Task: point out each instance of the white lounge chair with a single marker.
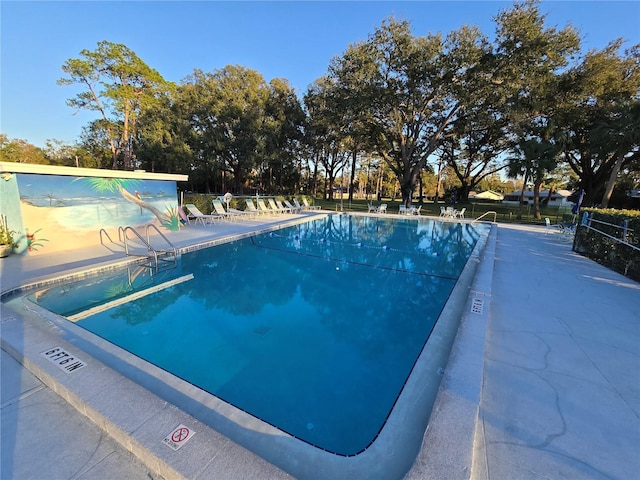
(550, 227)
(196, 215)
(371, 207)
(263, 207)
(293, 209)
(219, 209)
(308, 206)
(252, 208)
(282, 207)
(229, 215)
(273, 206)
(382, 208)
(460, 214)
(412, 210)
(567, 228)
(243, 213)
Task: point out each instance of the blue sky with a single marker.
(292, 40)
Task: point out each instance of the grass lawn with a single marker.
(504, 213)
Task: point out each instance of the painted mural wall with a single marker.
(62, 212)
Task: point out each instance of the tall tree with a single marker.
(163, 136)
(95, 141)
(118, 85)
(284, 130)
(474, 145)
(327, 139)
(403, 89)
(227, 115)
(60, 153)
(533, 158)
(621, 125)
(476, 136)
(598, 126)
(20, 151)
(529, 57)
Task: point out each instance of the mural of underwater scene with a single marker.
(69, 211)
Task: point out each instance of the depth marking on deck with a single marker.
(178, 437)
(477, 306)
(63, 359)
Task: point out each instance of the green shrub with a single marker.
(603, 240)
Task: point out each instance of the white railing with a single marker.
(624, 230)
(151, 251)
(495, 216)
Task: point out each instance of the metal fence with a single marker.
(611, 240)
(625, 234)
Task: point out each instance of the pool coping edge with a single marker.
(56, 381)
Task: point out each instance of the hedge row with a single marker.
(611, 252)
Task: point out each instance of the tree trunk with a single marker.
(379, 182)
(352, 177)
(439, 182)
(550, 194)
(328, 191)
(114, 150)
(524, 186)
(141, 203)
(125, 139)
(406, 191)
(536, 199)
(314, 185)
(463, 192)
(612, 181)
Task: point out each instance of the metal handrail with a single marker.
(123, 231)
(102, 230)
(587, 221)
(495, 216)
(123, 240)
(173, 248)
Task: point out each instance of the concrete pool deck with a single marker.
(560, 387)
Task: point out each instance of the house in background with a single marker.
(487, 195)
(558, 198)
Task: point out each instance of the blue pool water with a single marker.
(313, 329)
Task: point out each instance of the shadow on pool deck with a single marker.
(550, 348)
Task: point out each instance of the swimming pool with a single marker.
(313, 329)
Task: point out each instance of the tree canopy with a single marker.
(118, 85)
(394, 112)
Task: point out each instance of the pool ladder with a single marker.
(153, 254)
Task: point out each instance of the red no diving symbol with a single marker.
(180, 434)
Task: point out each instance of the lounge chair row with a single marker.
(412, 210)
(450, 212)
(568, 228)
(269, 207)
(382, 208)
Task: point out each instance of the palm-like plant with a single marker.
(118, 185)
(7, 241)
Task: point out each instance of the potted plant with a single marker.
(6, 238)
